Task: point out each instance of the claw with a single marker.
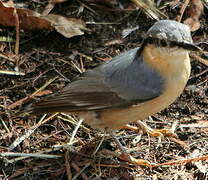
(150, 131)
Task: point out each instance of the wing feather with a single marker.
(121, 82)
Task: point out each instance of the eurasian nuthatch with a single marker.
(133, 85)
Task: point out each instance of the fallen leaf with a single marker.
(193, 23)
(31, 20)
(194, 12)
(195, 9)
(68, 27)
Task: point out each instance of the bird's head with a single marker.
(171, 34)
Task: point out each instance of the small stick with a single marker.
(75, 131)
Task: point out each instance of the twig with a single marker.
(15, 73)
(201, 60)
(17, 31)
(5, 126)
(87, 7)
(149, 9)
(30, 131)
(6, 57)
(182, 10)
(103, 23)
(76, 67)
(81, 171)
(23, 137)
(54, 148)
(100, 143)
(68, 169)
(44, 121)
(21, 101)
(72, 121)
(200, 74)
(37, 155)
(75, 131)
(45, 85)
(78, 170)
(183, 161)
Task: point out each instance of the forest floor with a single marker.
(35, 146)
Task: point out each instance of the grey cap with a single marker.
(170, 30)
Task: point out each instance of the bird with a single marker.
(133, 85)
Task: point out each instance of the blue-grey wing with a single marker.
(125, 80)
(132, 78)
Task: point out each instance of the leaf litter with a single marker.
(28, 142)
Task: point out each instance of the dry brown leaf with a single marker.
(195, 9)
(31, 20)
(68, 27)
(194, 24)
(194, 12)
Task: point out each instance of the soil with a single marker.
(47, 55)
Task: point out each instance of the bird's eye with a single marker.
(163, 43)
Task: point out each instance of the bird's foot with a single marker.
(152, 132)
(162, 132)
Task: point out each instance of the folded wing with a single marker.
(123, 81)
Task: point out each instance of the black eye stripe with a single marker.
(168, 43)
(162, 42)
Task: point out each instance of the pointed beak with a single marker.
(191, 46)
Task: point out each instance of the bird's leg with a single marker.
(152, 132)
(127, 157)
